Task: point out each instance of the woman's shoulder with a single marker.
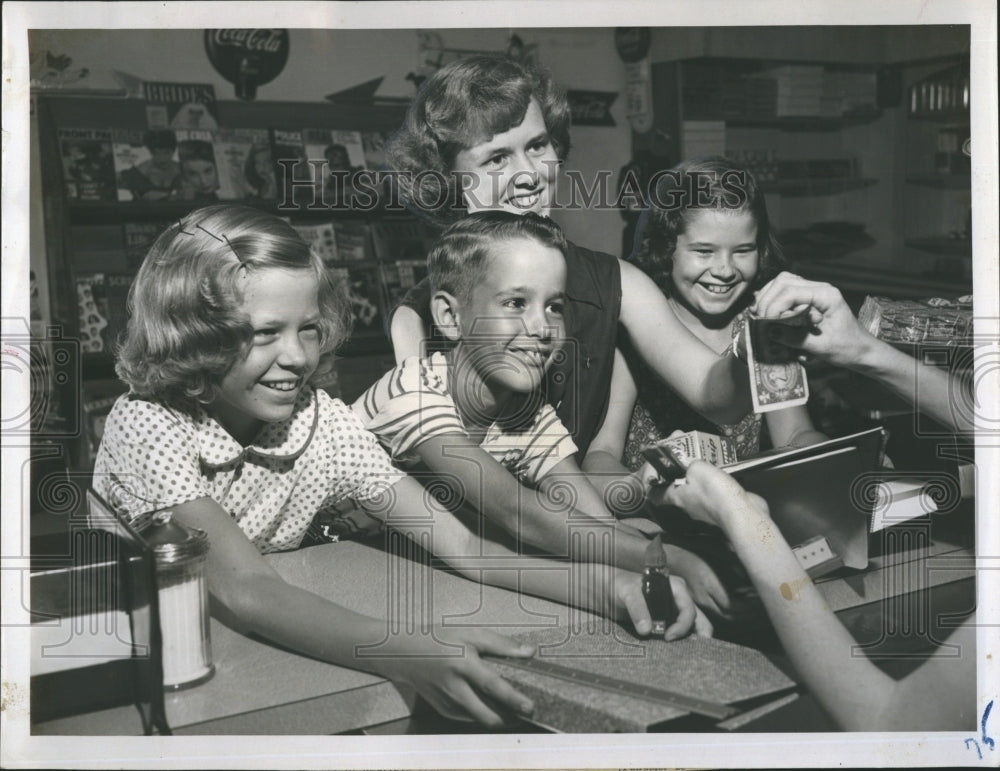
(592, 275)
(575, 252)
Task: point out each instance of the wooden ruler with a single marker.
(614, 685)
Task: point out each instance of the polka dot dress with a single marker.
(153, 457)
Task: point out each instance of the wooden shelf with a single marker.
(943, 181)
(942, 245)
(807, 186)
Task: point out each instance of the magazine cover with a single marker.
(404, 239)
(88, 164)
(331, 154)
(92, 310)
(97, 399)
(138, 237)
(246, 168)
(116, 289)
(321, 238)
(373, 144)
(399, 277)
(180, 105)
(289, 155)
(199, 169)
(364, 290)
(353, 241)
(146, 167)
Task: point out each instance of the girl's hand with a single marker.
(631, 605)
(460, 687)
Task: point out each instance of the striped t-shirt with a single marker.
(412, 404)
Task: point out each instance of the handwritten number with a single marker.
(987, 740)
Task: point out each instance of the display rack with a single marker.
(84, 238)
(783, 121)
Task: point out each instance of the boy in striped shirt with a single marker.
(475, 415)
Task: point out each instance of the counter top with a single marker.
(260, 688)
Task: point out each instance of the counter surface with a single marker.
(259, 688)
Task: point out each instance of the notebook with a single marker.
(820, 492)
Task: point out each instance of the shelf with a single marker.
(943, 181)
(804, 187)
(804, 122)
(942, 116)
(116, 212)
(949, 247)
(889, 283)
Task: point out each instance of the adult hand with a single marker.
(460, 687)
(835, 334)
(630, 603)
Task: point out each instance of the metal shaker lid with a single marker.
(173, 542)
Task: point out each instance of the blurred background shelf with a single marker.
(943, 181)
(943, 245)
(803, 187)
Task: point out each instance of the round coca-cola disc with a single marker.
(247, 58)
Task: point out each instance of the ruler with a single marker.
(614, 685)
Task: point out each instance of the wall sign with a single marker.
(247, 58)
(639, 95)
(632, 43)
(591, 108)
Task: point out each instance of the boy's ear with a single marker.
(444, 311)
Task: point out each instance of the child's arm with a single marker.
(248, 594)
(856, 693)
(613, 592)
(407, 332)
(630, 545)
(616, 485)
(407, 327)
(542, 517)
(792, 427)
(602, 462)
(716, 386)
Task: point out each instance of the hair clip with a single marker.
(180, 227)
(211, 234)
(230, 243)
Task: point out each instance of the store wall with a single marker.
(325, 61)
(866, 44)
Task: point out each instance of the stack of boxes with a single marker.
(701, 138)
(800, 90)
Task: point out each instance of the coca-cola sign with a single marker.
(247, 58)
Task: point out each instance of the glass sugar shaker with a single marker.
(183, 597)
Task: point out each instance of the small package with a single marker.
(670, 456)
(935, 321)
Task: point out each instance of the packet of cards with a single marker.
(938, 320)
(671, 456)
